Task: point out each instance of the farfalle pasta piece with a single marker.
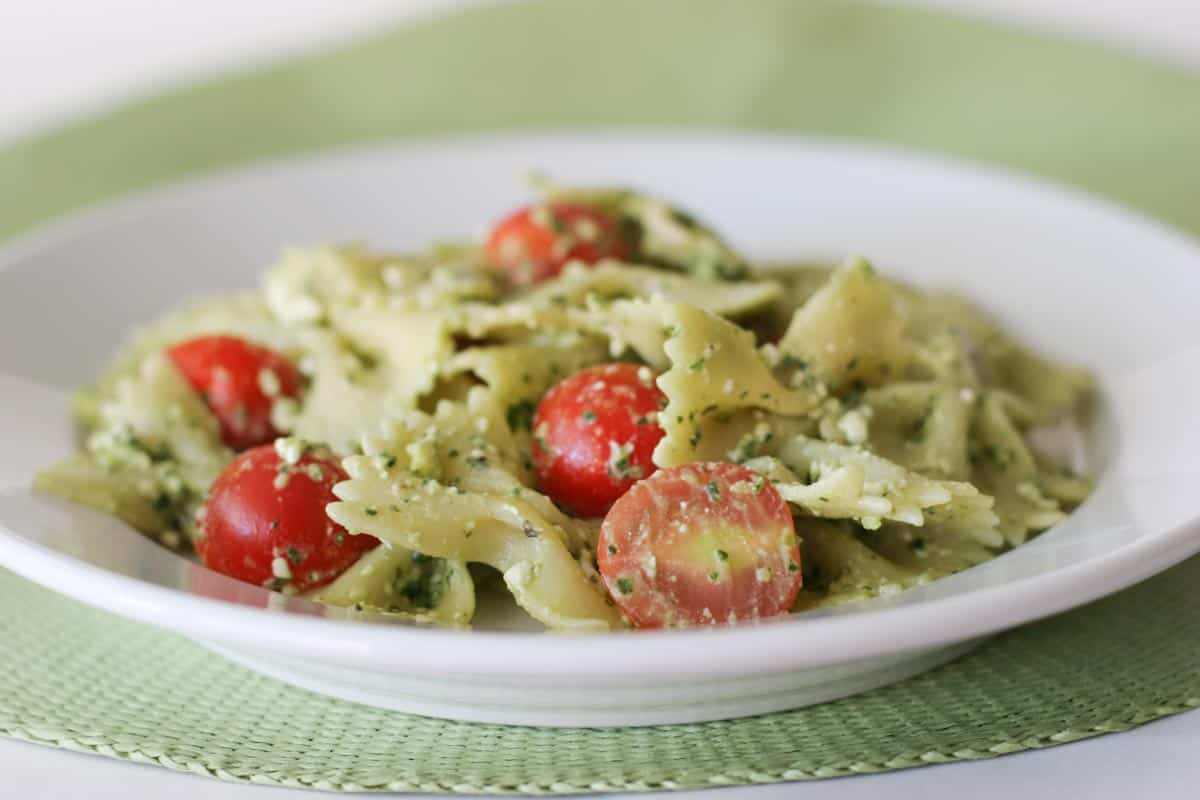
(397, 580)
(519, 373)
(311, 286)
(851, 330)
(715, 372)
(849, 482)
(923, 427)
(158, 448)
(1004, 465)
(441, 486)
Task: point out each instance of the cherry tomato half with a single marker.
(265, 521)
(700, 544)
(534, 243)
(594, 436)
(238, 381)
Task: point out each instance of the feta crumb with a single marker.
(268, 381)
(853, 425)
(392, 277)
(618, 462)
(645, 376)
(290, 449)
(280, 568)
(284, 411)
(586, 230)
(762, 574)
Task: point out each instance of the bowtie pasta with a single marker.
(604, 410)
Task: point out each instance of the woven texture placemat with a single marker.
(76, 677)
(79, 678)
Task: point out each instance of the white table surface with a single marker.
(60, 58)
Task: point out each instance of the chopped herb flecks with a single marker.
(619, 466)
(519, 415)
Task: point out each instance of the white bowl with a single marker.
(1077, 277)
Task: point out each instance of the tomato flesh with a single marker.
(534, 244)
(594, 436)
(265, 523)
(239, 382)
(700, 544)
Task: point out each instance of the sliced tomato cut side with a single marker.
(700, 544)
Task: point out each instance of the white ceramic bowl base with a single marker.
(568, 702)
(1076, 277)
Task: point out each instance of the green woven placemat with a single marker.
(82, 679)
(79, 678)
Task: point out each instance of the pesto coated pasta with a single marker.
(809, 434)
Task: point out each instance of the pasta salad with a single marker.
(602, 408)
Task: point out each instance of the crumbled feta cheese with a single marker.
(586, 230)
(393, 278)
(284, 411)
(268, 381)
(290, 449)
(281, 569)
(618, 462)
(853, 425)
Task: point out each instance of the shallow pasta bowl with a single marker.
(1073, 276)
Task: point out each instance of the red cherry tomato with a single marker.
(265, 522)
(238, 381)
(701, 544)
(534, 244)
(594, 435)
